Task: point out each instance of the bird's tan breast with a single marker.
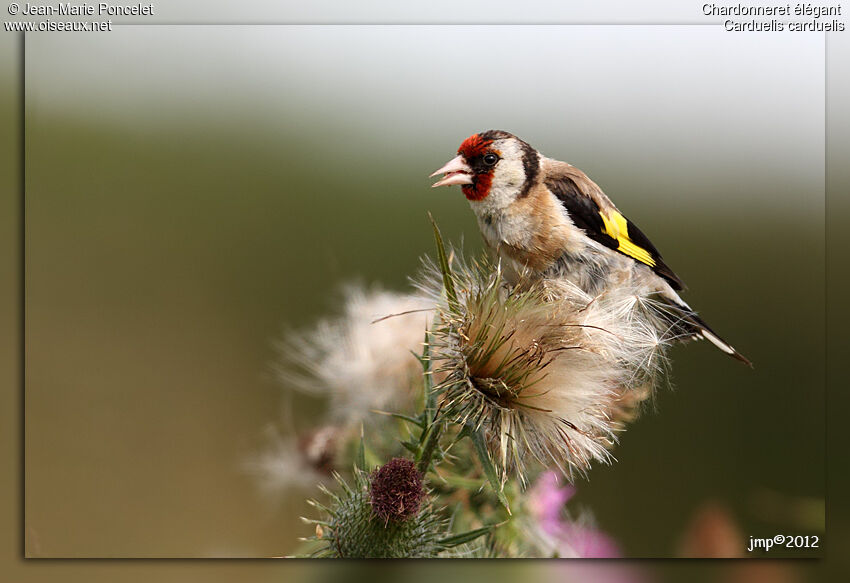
(533, 232)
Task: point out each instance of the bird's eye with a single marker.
(491, 159)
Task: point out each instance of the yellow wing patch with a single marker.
(617, 227)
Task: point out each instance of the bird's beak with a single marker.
(456, 172)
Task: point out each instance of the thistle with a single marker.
(360, 360)
(385, 515)
(543, 369)
(396, 491)
(286, 462)
(536, 372)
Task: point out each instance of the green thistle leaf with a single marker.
(360, 460)
(445, 269)
(428, 381)
(478, 442)
(418, 422)
(465, 537)
(412, 447)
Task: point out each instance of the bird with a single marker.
(543, 218)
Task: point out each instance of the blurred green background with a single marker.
(189, 196)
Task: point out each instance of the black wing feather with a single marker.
(585, 214)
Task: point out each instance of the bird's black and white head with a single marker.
(493, 168)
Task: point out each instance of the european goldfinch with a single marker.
(546, 218)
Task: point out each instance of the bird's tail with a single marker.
(684, 324)
(706, 332)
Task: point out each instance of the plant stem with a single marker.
(428, 448)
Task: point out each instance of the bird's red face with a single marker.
(472, 168)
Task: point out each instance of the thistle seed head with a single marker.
(360, 360)
(547, 370)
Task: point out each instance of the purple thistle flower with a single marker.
(396, 492)
(569, 538)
